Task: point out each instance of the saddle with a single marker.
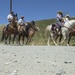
(28, 27)
(21, 28)
(56, 28)
(8, 25)
(53, 27)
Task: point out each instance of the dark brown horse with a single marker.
(26, 31)
(12, 29)
(71, 33)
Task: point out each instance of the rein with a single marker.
(12, 27)
(67, 27)
(70, 28)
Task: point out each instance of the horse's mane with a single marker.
(70, 23)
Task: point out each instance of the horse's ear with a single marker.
(16, 14)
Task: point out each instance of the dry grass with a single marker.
(39, 37)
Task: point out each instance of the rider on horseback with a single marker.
(21, 22)
(10, 18)
(30, 25)
(60, 22)
(59, 18)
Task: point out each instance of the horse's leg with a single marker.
(30, 38)
(60, 39)
(64, 36)
(54, 42)
(23, 40)
(9, 39)
(69, 37)
(48, 41)
(27, 40)
(56, 38)
(6, 37)
(19, 39)
(53, 39)
(14, 38)
(48, 37)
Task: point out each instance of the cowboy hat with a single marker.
(22, 16)
(60, 12)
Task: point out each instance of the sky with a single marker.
(36, 9)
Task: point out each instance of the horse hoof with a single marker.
(5, 42)
(60, 44)
(48, 44)
(56, 44)
(68, 45)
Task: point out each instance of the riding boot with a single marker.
(7, 27)
(59, 31)
(53, 28)
(53, 25)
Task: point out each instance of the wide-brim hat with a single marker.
(22, 16)
(60, 12)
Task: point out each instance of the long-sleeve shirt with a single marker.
(59, 16)
(9, 17)
(21, 22)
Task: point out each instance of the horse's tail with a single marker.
(47, 33)
(2, 35)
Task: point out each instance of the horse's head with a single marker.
(36, 28)
(32, 25)
(32, 22)
(15, 19)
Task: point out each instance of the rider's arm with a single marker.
(59, 16)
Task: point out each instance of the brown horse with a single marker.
(26, 31)
(71, 33)
(30, 33)
(12, 29)
(21, 34)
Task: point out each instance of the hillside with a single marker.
(39, 37)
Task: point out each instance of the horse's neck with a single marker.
(14, 24)
(70, 23)
(65, 20)
(15, 19)
(31, 29)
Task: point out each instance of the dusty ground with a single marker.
(37, 60)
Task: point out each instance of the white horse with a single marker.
(50, 34)
(65, 30)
